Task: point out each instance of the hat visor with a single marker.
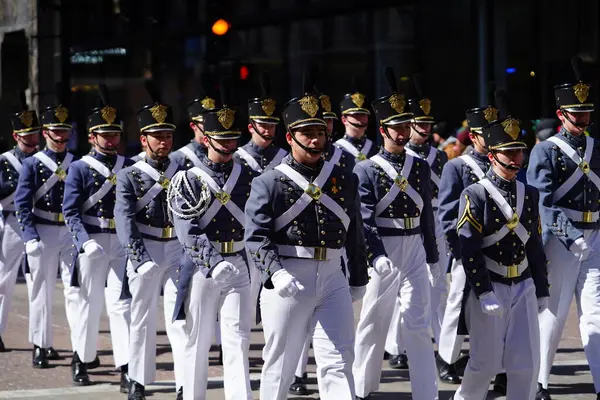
(508, 146)
(58, 127)
(351, 111)
(106, 130)
(265, 121)
(329, 115)
(307, 122)
(226, 135)
(425, 120)
(158, 127)
(28, 131)
(397, 120)
(587, 108)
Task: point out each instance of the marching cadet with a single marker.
(396, 207)
(88, 209)
(26, 132)
(343, 159)
(150, 245)
(191, 154)
(355, 117)
(48, 245)
(457, 174)
(505, 266)
(419, 147)
(206, 205)
(299, 217)
(565, 170)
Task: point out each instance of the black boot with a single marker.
(39, 359)
(2, 347)
(79, 371)
(124, 383)
(368, 397)
(179, 394)
(220, 355)
(500, 383)
(399, 361)
(94, 364)
(299, 386)
(52, 354)
(386, 355)
(542, 394)
(136, 391)
(446, 371)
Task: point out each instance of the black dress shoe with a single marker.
(136, 391)
(79, 371)
(179, 394)
(386, 355)
(39, 359)
(125, 381)
(399, 362)
(94, 364)
(368, 397)
(446, 371)
(52, 354)
(220, 355)
(500, 383)
(2, 347)
(299, 386)
(542, 394)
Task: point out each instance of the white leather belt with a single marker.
(49, 216)
(398, 223)
(507, 271)
(103, 223)
(167, 232)
(229, 247)
(315, 253)
(581, 216)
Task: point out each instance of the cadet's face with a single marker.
(356, 120)
(511, 157)
(57, 138)
(398, 133)
(107, 141)
(313, 137)
(224, 145)
(160, 142)
(28, 142)
(267, 130)
(575, 123)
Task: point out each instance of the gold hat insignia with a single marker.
(582, 91)
(159, 113)
(26, 118)
(61, 113)
(511, 127)
(425, 105)
(397, 102)
(358, 99)
(208, 103)
(226, 117)
(268, 106)
(109, 114)
(325, 102)
(309, 105)
(490, 114)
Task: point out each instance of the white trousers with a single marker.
(145, 292)
(231, 300)
(56, 249)
(568, 277)
(11, 253)
(509, 342)
(323, 307)
(100, 281)
(450, 341)
(438, 296)
(408, 281)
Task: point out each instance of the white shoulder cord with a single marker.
(179, 187)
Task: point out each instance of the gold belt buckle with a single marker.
(320, 254)
(512, 271)
(361, 157)
(588, 217)
(584, 166)
(60, 217)
(61, 173)
(111, 224)
(408, 223)
(227, 247)
(164, 182)
(313, 191)
(167, 232)
(112, 178)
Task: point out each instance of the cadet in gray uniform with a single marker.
(26, 132)
(395, 193)
(206, 205)
(298, 219)
(566, 170)
(88, 209)
(150, 244)
(48, 245)
(505, 265)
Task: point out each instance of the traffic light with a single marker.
(220, 27)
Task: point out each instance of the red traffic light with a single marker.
(244, 72)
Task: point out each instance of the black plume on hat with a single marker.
(265, 84)
(104, 96)
(502, 103)
(577, 65)
(390, 78)
(23, 100)
(152, 90)
(63, 93)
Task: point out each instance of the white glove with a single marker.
(433, 271)
(382, 265)
(490, 304)
(357, 292)
(580, 249)
(148, 269)
(285, 284)
(542, 303)
(223, 271)
(92, 249)
(32, 248)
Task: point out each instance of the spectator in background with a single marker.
(545, 128)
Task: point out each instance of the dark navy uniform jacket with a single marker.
(185, 161)
(262, 156)
(33, 175)
(481, 217)
(548, 169)
(374, 184)
(132, 184)
(359, 144)
(202, 245)
(456, 176)
(273, 193)
(441, 158)
(9, 177)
